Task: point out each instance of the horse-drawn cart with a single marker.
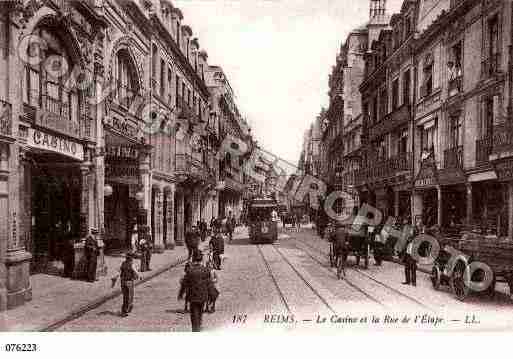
(358, 244)
(496, 253)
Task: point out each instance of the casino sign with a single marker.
(42, 140)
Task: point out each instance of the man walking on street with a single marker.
(217, 244)
(230, 226)
(192, 241)
(91, 254)
(195, 284)
(127, 274)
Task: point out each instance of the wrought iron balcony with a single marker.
(453, 157)
(189, 168)
(233, 185)
(377, 170)
(398, 117)
(5, 118)
(483, 150)
(502, 139)
(491, 66)
(186, 111)
(124, 95)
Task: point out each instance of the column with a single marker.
(396, 203)
(145, 181)
(4, 226)
(179, 240)
(17, 259)
(417, 205)
(469, 203)
(510, 209)
(439, 209)
(170, 218)
(159, 221)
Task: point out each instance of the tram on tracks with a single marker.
(263, 226)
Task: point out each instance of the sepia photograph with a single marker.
(255, 166)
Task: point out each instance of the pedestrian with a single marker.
(410, 264)
(146, 247)
(195, 283)
(91, 254)
(128, 275)
(217, 245)
(134, 239)
(192, 241)
(230, 226)
(212, 222)
(213, 289)
(203, 230)
(69, 252)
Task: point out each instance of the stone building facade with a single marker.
(106, 122)
(436, 116)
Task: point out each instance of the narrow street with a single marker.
(289, 285)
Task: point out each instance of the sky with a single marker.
(277, 55)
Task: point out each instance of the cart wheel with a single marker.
(458, 286)
(436, 277)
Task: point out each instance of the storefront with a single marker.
(123, 191)
(53, 188)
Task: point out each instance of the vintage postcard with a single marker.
(256, 166)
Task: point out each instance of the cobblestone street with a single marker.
(289, 285)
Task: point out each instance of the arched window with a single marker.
(125, 76)
(47, 83)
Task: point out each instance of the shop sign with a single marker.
(122, 152)
(504, 171)
(123, 126)
(427, 176)
(122, 173)
(55, 143)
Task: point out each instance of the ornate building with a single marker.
(109, 125)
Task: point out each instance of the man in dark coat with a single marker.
(91, 254)
(410, 264)
(217, 244)
(195, 283)
(192, 240)
(128, 275)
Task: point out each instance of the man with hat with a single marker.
(91, 253)
(192, 240)
(195, 284)
(128, 275)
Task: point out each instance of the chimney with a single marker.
(377, 8)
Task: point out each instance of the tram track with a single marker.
(356, 270)
(273, 278)
(308, 284)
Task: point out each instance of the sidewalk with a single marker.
(56, 299)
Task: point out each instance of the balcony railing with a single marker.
(502, 139)
(124, 95)
(483, 150)
(189, 167)
(453, 157)
(491, 66)
(386, 168)
(187, 111)
(398, 117)
(5, 118)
